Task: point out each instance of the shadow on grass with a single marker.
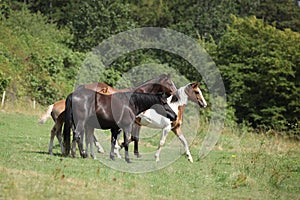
(45, 153)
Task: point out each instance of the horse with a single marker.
(115, 111)
(150, 118)
(162, 83)
(56, 111)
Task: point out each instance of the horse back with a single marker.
(113, 111)
(102, 88)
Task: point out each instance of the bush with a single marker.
(35, 55)
(260, 66)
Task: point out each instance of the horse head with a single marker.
(167, 85)
(195, 95)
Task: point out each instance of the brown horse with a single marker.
(56, 111)
(162, 83)
(116, 111)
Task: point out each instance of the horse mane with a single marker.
(138, 98)
(180, 95)
(154, 80)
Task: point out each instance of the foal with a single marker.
(116, 111)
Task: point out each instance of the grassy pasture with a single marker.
(246, 166)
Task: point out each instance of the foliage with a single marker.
(4, 81)
(34, 53)
(262, 81)
(93, 21)
(260, 64)
(281, 13)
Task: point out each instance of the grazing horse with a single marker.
(162, 83)
(116, 111)
(177, 102)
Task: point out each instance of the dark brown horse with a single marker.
(116, 111)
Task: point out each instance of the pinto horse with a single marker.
(116, 111)
(162, 83)
(177, 102)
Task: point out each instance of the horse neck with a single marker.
(181, 95)
(143, 102)
(149, 88)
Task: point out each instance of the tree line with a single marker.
(255, 44)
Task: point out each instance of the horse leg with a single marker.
(114, 135)
(100, 148)
(59, 138)
(126, 143)
(135, 137)
(89, 139)
(181, 137)
(78, 136)
(53, 133)
(58, 126)
(118, 148)
(73, 150)
(162, 141)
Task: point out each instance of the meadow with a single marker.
(241, 166)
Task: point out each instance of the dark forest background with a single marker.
(255, 45)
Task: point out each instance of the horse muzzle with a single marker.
(202, 104)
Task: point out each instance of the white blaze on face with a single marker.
(203, 100)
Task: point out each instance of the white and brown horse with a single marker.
(177, 102)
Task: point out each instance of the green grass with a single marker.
(245, 166)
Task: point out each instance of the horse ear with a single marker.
(195, 84)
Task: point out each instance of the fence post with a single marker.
(34, 104)
(3, 98)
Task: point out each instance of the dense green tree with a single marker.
(262, 80)
(93, 21)
(259, 62)
(284, 13)
(35, 55)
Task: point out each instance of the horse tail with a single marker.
(68, 124)
(46, 115)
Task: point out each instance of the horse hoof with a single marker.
(156, 159)
(101, 151)
(84, 155)
(112, 157)
(128, 160)
(138, 155)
